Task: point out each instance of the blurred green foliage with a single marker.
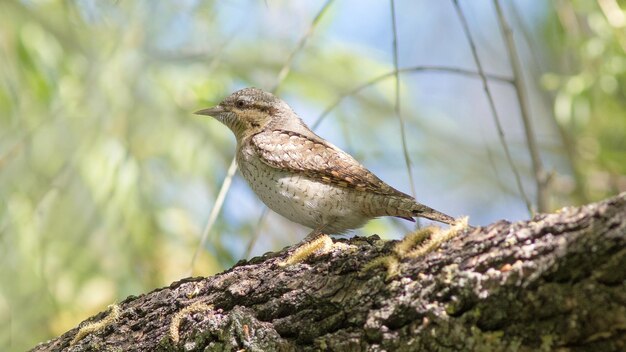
(587, 40)
(107, 179)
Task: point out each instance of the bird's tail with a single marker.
(432, 214)
(408, 208)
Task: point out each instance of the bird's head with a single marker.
(248, 111)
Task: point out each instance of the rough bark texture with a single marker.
(557, 282)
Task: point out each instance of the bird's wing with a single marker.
(317, 159)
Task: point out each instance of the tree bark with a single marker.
(556, 282)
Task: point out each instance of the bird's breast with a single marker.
(300, 198)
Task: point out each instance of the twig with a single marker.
(284, 71)
(219, 202)
(13, 151)
(568, 18)
(256, 232)
(526, 34)
(565, 139)
(522, 98)
(492, 104)
(355, 90)
(225, 184)
(221, 196)
(407, 158)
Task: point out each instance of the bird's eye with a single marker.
(240, 104)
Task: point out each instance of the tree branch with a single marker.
(556, 281)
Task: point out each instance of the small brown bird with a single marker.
(303, 177)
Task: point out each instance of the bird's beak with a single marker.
(214, 111)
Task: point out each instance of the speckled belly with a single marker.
(303, 200)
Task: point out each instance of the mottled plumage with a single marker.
(302, 176)
(317, 159)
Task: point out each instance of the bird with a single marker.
(304, 177)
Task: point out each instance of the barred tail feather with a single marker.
(432, 214)
(407, 208)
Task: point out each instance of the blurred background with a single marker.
(107, 179)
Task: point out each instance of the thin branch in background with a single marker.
(492, 105)
(12, 152)
(405, 151)
(221, 196)
(528, 38)
(570, 24)
(398, 108)
(16, 149)
(377, 79)
(219, 202)
(522, 98)
(569, 20)
(256, 232)
(287, 66)
(565, 139)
